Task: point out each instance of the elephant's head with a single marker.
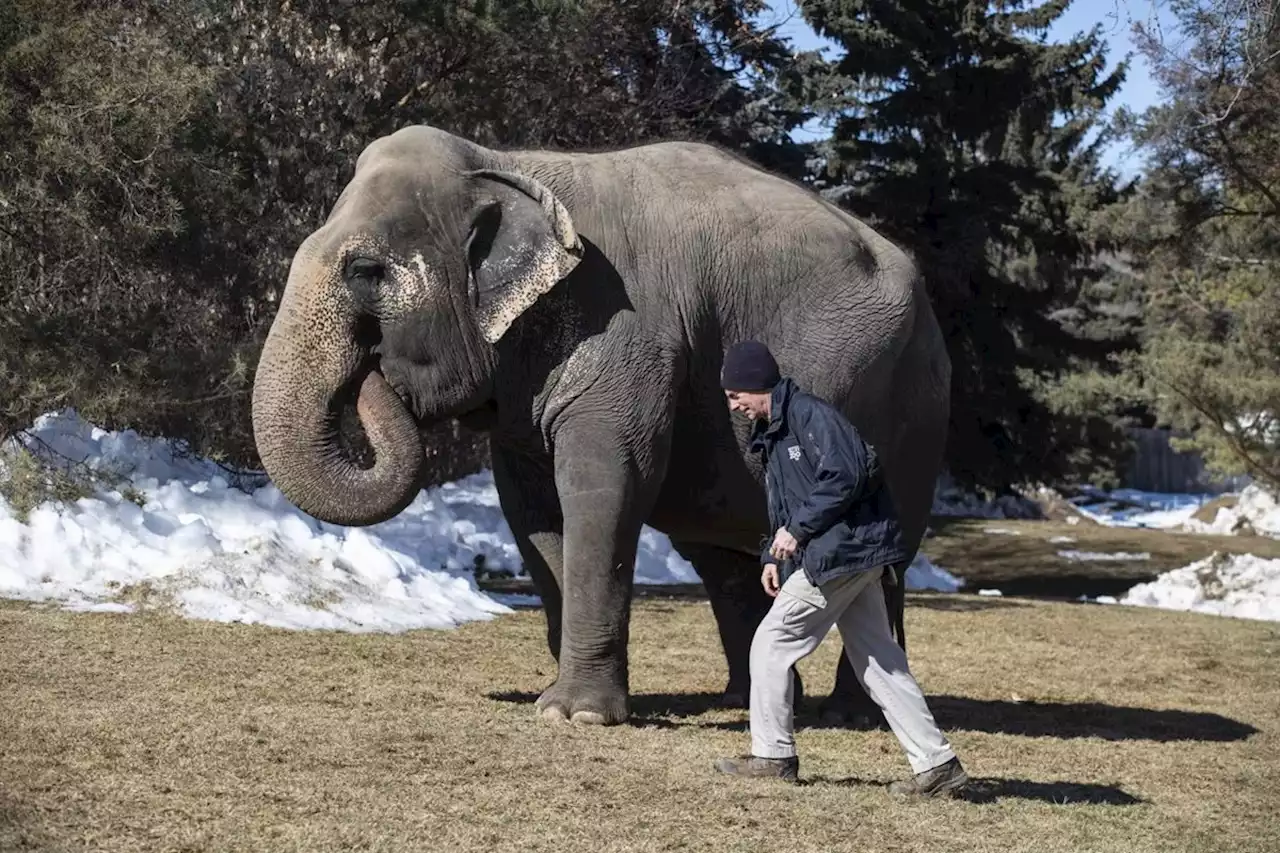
(393, 307)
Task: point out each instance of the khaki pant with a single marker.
(794, 627)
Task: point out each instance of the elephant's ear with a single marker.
(522, 242)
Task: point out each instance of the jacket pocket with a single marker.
(834, 546)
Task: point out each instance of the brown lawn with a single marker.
(1087, 728)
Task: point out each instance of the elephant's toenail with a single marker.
(553, 713)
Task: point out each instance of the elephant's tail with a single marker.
(898, 603)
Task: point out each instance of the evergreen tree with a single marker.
(166, 157)
(1203, 238)
(961, 134)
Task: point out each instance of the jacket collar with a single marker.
(779, 401)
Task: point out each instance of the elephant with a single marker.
(575, 306)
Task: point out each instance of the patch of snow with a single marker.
(1097, 556)
(1255, 507)
(211, 551)
(1062, 540)
(1134, 508)
(924, 575)
(993, 593)
(1237, 585)
(657, 562)
(1001, 531)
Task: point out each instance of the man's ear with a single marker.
(522, 242)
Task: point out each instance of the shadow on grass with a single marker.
(1067, 720)
(951, 603)
(647, 709)
(1063, 720)
(657, 592)
(1069, 587)
(990, 790)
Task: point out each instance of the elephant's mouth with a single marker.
(418, 387)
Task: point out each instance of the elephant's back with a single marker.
(715, 250)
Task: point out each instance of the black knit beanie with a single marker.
(749, 366)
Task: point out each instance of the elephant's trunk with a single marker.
(310, 368)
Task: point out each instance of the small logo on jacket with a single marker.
(794, 452)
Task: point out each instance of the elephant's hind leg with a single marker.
(738, 602)
(849, 702)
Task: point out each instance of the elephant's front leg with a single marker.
(602, 497)
(527, 496)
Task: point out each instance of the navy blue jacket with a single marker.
(825, 487)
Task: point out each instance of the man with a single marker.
(836, 532)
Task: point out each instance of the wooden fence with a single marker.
(1157, 467)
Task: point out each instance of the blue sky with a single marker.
(1115, 16)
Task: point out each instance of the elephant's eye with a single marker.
(363, 271)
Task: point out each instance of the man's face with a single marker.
(753, 404)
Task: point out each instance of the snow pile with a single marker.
(212, 551)
(1102, 557)
(215, 552)
(1134, 508)
(1256, 508)
(1239, 585)
(922, 574)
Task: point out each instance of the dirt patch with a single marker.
(1209, 511)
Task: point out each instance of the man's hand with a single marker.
(769, 579)
(784, 545)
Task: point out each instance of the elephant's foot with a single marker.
(855, 711)
(736, 695)
(580, 701)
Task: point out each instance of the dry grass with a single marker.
(1028, 563)
(1088, 729)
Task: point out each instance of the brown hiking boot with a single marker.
(786, 769)
(945, 779)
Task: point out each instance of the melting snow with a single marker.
(1098, 556)
(922, 574)
(212, 551)
(215, 552)
(1239, 585)
(1255, 507)
(1131, 508)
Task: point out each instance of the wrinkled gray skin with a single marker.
(577, 306)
